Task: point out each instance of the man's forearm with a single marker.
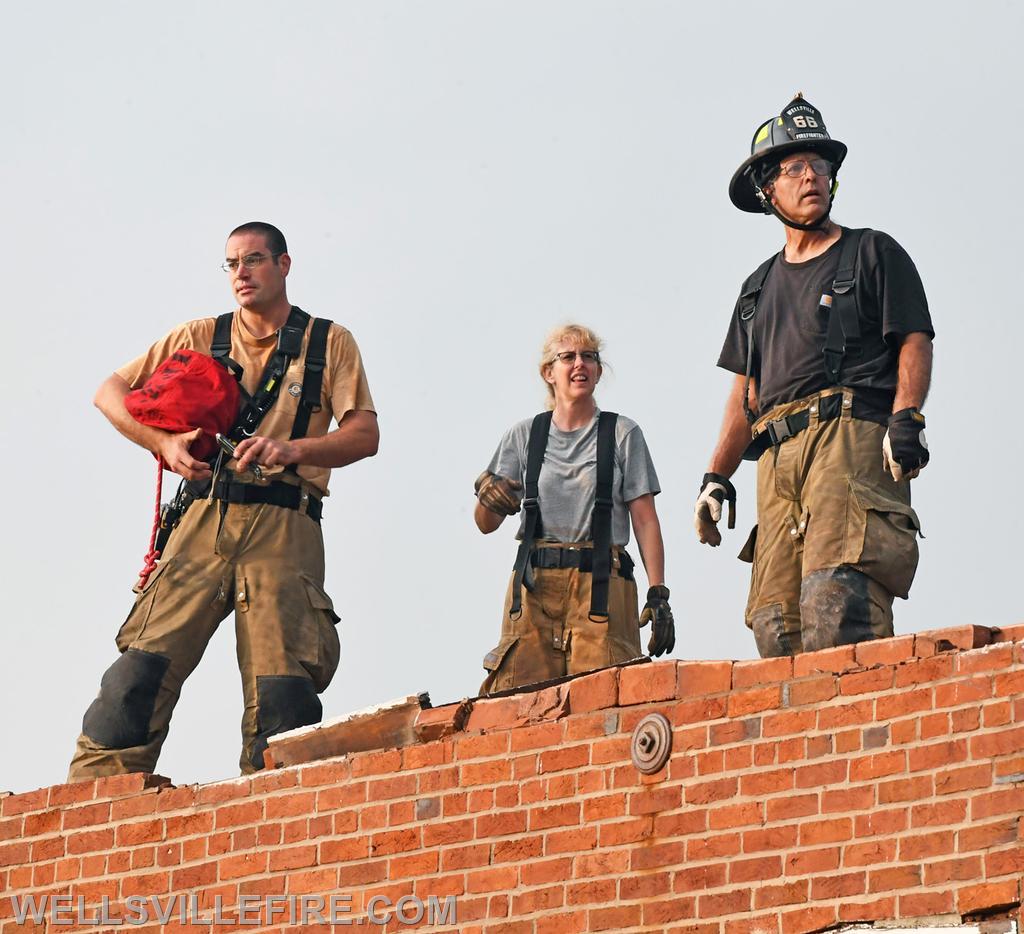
(734, 436)
(109, 400)
(914, 373)
(355, 438)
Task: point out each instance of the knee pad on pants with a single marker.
(120, 716)
(283, 702)
(843, 606)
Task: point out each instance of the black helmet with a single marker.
(799, 127)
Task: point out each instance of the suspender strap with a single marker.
(748, 309)
(601, 523)
(313, 378)
(289, 346)
(535, 449)
(843, 337)
(220, 349)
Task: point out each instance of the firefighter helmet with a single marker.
(798, 128)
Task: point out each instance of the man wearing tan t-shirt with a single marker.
(253, 546)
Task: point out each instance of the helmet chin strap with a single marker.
(819, 224)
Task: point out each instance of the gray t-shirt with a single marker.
(568, 477)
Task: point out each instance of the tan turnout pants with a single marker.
(835, 540)
(267, 564)
(554, 635)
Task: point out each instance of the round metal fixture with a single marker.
(652, 743)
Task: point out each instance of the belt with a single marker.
(286, 495)
(829, 407)
(582, 558)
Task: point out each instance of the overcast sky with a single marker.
(454, 179)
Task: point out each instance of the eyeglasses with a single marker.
(251, 261)
(797, 168)
(569, 356)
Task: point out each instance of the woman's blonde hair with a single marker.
(577, 334)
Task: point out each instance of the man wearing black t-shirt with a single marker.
(831, 341)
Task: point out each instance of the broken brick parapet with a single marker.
(877, 782)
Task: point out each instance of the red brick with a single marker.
(697, 679)
(436, 723)
(956, 637)
(539, 736)
(571, 757)
(655, 800)
(725, 903)
(812, 690)
(847, 799)
(831, 661)
(754, 700)
(761, 671)
(557, 815)
(736, 815)
(1001, 743)
(986, 836)
(884, 651)
(840, 715)
(878, 765)
(703, 848)
(789, 723)
(795, 806)
(950, 781)
(878, 910)
(989, 896)
(593, 891)
(642, 684)
(614, 919)
(812, 862)
(906, 789)
(1006, 801)
(926, 846)
(1005, 863)
(825, 773)
(85, 816)
(964, 869)
(869, 853)
(895, 878)
(880, 822)
(843, 885)
(805, 920)
(922, 904)
(866, 682)
(942, 812)
(707, 792)
(762, 782)
(596, 691)
(695, 878)
(772, 896)
(759, 869)
(902, 702)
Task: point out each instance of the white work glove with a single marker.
(714, 490)
(904, 449)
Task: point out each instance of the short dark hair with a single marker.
(275, 239)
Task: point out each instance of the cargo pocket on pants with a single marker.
(138, 616)
(328, 647)
(881, 538)
(498, 663)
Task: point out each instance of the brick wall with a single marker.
(870, 783)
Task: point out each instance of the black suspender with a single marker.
(601, 521)
(843, 337)
(748, 308)
(289, 346)
(313, 377)
(535, 449)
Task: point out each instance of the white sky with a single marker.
(454, 179)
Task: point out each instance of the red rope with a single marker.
(152, 555)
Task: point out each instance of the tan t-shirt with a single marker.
(344, 387)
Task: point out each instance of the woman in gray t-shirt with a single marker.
(555, 623)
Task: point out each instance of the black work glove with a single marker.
(904, 449)
(499, 494)
(659, 613)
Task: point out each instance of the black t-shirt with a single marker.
(791, 324)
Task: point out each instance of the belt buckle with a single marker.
(778, 435)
